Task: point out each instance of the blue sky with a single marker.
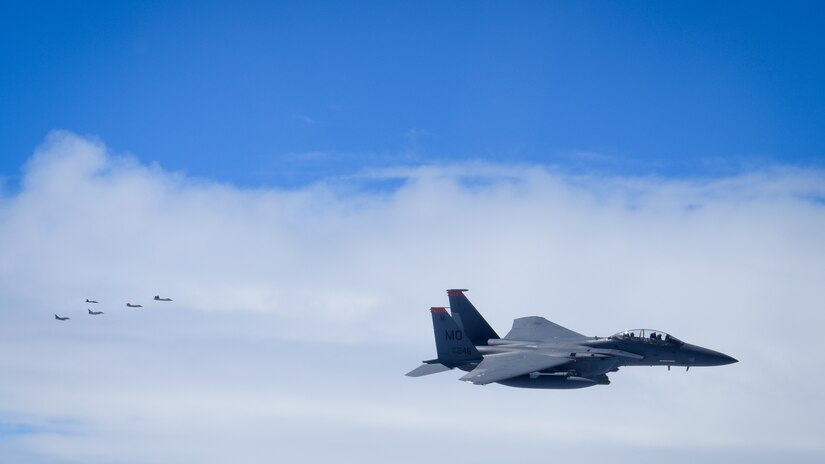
(279, 93)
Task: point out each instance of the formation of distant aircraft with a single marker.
(540, 354)
(97, 313)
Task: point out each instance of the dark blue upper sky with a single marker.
(284, 93)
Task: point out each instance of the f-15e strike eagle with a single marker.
(94, 313)
(537, 353)
(158, 298)
(61, 318)
(134, 305)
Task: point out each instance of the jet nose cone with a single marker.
(699, 356)
(725, 359)
(716, 358)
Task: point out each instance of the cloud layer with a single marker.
(297, 312)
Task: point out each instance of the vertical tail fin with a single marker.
(474, 325)
(453, 346)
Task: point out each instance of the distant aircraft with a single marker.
(90, 301)
(134, 305)
(61, 318)
(158, 298)
(540, 354)
(95, 313)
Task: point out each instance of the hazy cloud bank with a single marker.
(297, 311)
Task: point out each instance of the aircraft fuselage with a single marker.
(597, 356)
(538, 353)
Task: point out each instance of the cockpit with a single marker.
(654, 336)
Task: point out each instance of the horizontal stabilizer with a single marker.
(504, 366)
(427, 369)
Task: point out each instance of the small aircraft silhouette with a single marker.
(90, 301)
(134, 305)
(158, 298)
(61, 318)
(95, 313)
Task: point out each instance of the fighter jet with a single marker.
(134, 305)
(537, 353)
(94, 313)
(158, 298)
(61, 318)
(90, 301)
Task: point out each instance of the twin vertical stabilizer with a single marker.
(473, 323)
(452, 344)
(456, 336)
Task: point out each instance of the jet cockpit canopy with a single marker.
(648, 336)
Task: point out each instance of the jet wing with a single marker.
(539, 329)
(496, 367)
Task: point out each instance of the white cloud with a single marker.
(297, 312)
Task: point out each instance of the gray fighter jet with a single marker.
(537, 353)
(134, 305)
(61, 318)
(158, 298)
(94, 313)
(90, 301)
